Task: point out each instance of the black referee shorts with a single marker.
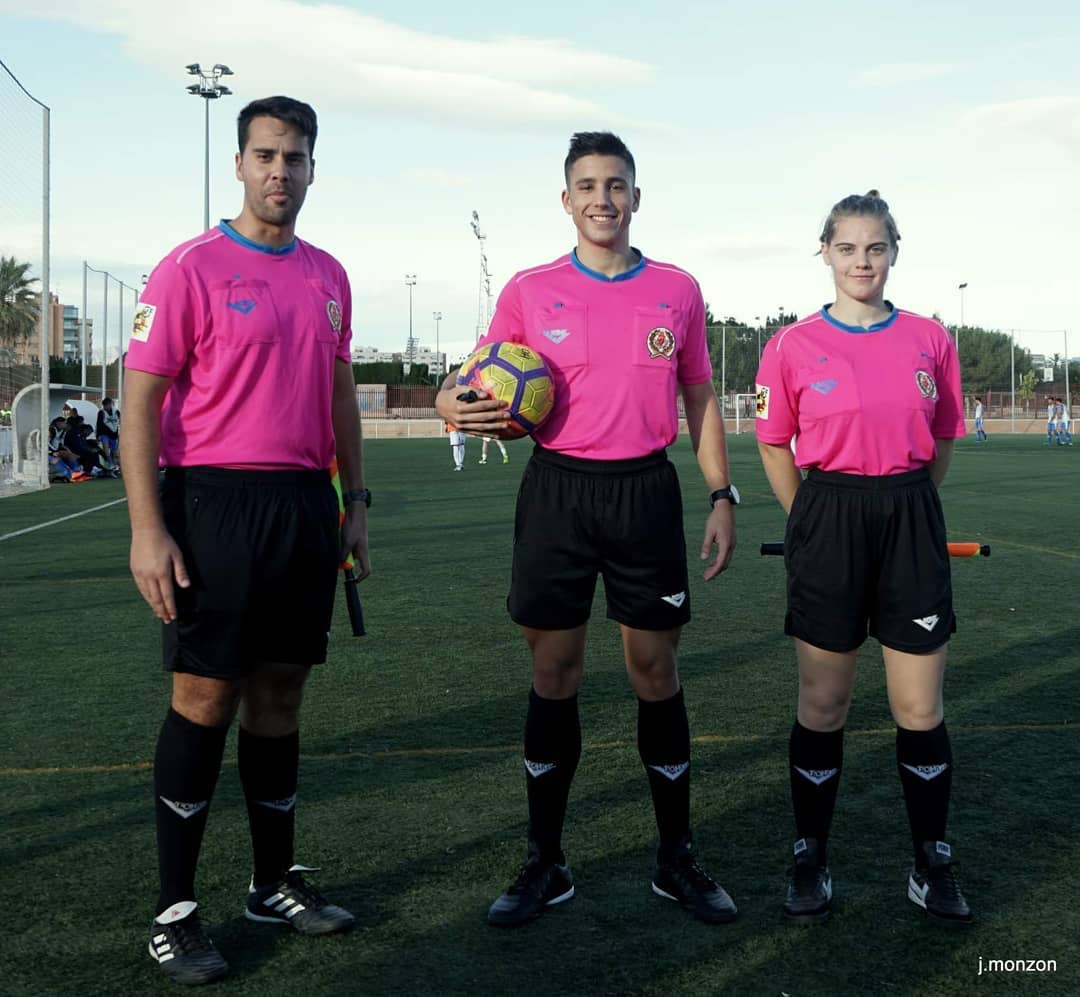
(578, 518)
(865, 553)
(261, 548)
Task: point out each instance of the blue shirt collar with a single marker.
(857, 329)
(597, 275)
(251, 244)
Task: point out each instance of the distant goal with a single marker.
(745, 407)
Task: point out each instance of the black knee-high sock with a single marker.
(664, 746)
(186, 767)
(924, 761)
(268, 768)
(816, 759)
(552, 752)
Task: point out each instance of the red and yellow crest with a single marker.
(661, 343)
(333, 312)
(927, 387)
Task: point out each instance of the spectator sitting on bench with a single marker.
(62, 462)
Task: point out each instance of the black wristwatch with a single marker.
(357, 495)
(731, 493)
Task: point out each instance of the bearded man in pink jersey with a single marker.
(238, 556)
(623, 336)
(873, 394)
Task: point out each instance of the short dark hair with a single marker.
(584, 144)
(294, 112)
(106, 400)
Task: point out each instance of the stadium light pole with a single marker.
(105, 332)
(82, 330)
(410, 282)
(437, 316)
(960, 288)
(209, 89)
(485, 276)
(120, 365)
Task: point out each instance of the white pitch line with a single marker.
(62, 519)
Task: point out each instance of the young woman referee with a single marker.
(872, 393)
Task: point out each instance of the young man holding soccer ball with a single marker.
(623, 336)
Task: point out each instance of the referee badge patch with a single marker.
(761, 401)
(661, 343)
(927, 387)
(333, 312)
(144, 318)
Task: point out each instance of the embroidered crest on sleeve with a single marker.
(144, 319)
(333, 312)
(927, 386)
(761, 401)
(661, 343)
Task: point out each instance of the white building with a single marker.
(436, 362)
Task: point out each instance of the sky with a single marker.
(747, 123)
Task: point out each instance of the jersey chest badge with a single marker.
(660, 343)
(927, 387)
(333, 312)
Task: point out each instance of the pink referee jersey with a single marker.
(250, 335)
(861, 401)
(618, 349)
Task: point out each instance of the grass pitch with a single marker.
(412, 791)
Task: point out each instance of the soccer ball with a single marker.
(512, 373)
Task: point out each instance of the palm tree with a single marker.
(18, 303)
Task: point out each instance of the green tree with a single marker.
(18, 303)
(986, 359)
(743, 345)
(1027, 385)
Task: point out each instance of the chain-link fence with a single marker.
(27, 310)
(1015, 372)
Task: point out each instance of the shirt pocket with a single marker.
(326, 311)
(656, 339)
(826, 390)
(244, 313)
(560, 334)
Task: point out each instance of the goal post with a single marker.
(745, 407)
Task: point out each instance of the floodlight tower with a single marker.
(960, 288)
(483, 303)
(209, 89)
(437, 316)
(410, 343)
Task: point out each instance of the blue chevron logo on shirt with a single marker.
(244, 306)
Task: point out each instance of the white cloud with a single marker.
(437, 175)
(23, 240)
(1055, 118)
(896, 73)
(737, 248)
(352, 60)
